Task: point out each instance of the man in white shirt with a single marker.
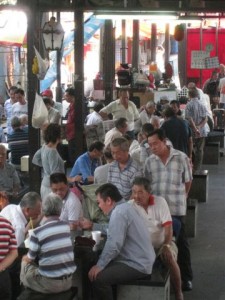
(94, 117)
(29, 209)
(8, 106)
(72, 208)
(118, 131)
(20, 107)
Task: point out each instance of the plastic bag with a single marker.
(43, 65)
(40, 112)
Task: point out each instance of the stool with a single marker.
(199, 187)
(211, 153)
(191, 218)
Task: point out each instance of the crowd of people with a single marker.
(142, 171)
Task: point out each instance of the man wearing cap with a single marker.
(56, 105)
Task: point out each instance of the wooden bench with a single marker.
(199, 187)
(154, 287)
(211, 153)
(191, 218)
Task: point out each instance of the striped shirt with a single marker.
(169, 180)
(18, 144)
(51, 244)
(7, 238)
(123, 179)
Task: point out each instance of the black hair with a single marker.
(109, 190)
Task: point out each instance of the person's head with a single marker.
(3, 155)
(12, 90)
(59, 184)
(52, 205)
(193, 93)
(129, 138)
(150, 107)
(20, 96)
(96, 149)
(107, 155)
(169, 112)
(31, 205)
(121, 125)
(164, 100)
(191, 85)
(120, 149)
(47, 102)
(146, 129)
(107, 195)
(98, 107)
(175, 105)
(214, 75)
(157, 142)
(15, 122)
(70, 95)
(155, 122)
(47, 93)
(52, 133)
(141, 191)
(124, 96)
(23, 119)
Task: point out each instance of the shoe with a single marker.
(187, 286)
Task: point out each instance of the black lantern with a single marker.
(53, 35)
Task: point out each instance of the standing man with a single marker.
(123, 169)
(170, 175)
(56, 105)
(70, 125)
(122, 108)
(8, 254)
(8, 106)
(196, 114)
(20, 107)
(128, 253)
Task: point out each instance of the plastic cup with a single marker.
(96, 236)
(27, 241)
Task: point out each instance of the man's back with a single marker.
(18, 144)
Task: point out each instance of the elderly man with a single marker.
(155, 212)
(9, 179)
(54, 271)
(123, 169)
(119, 130)
(8, 106)
(29, 209)
(128, 253)
(72, 209)
(170, 175)
(8, 254)
(122, 107)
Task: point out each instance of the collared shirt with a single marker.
(72, 209)
(15, 215)
(51, 243)
(123, 179)
(19, 109)
(128, 241)
(111, 135)
(101, 174)
(70, 127)
(168, 180)
(195, 110)
(7, 238)
(93, 118)
(8, 113)
(84, 166)
(119, 111)
(9, 178)
(156, 218)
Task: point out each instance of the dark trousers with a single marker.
(184, 256)
(14, 273)
(114, 273)
(5, 285)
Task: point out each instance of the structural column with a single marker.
(79, 83)
(167, 44)
(153, 42)
(135, 53)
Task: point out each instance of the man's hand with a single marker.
(26, 259)
(92, 274)
(166, 255)
(85, 224)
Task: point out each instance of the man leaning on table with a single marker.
(128, 253)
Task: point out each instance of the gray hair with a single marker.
(52, 205)
(30, 200)
(15, 122)
(120, 142)
(150, 104)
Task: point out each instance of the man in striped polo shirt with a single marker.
(54, 271)
(8, 253)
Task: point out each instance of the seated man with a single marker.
(54, 270)
(8, 251)
(155, 212)
(9, 179)
(18, 141)
(128, 253)
(72, 209)
(86, 164)
(119, 130)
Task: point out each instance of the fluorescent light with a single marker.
(149, 17)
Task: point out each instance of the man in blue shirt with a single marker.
(86, 164)
(128, 253)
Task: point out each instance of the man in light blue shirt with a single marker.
(128, 253)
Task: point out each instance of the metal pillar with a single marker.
(135, 53)
(167, 44)
(153, 42)
(79, 83)
(109, 60)
(58, 70)
(182, 58)
(32, 87)
(123, 43)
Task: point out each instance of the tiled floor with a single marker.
(208, 247)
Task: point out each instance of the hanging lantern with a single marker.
(179, 32)
(53, 35)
